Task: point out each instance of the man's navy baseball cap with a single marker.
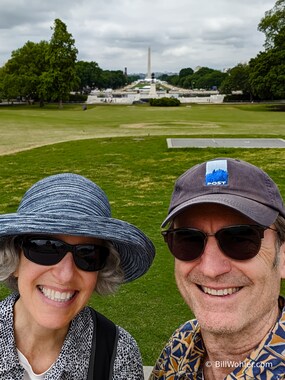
(229, 182)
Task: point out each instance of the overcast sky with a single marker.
(117, 33)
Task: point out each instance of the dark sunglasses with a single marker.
(240, 242)
(45, 250)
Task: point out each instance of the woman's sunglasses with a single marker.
(240, 242)
(46, 250)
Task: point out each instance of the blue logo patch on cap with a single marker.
(216, 173)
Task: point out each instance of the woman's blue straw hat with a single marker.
(71, 204)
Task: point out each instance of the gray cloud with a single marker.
(117, 33)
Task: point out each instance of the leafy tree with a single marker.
(267, 70)
(186, 82)
(185, 72)
(1, 83)
(171, 79)
(61, 78)
(280, 40)
(237, 80)
(164, 77)
(22, 73)
(202, 72)
(113, 79)
(207, 78)
(42, 70)
(273, 25)
(132, 78)
(9, 86)
(89, 74)
(267, 74)
(174, 80)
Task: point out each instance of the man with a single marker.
(226, 230)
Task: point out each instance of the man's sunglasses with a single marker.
(240, 242)
(45, 250)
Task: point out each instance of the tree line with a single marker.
(50, 71)
(202, 78)
(262, 78)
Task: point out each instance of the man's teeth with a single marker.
(55, 295)
(219, 292)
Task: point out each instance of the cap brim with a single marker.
(135, 249)
(258, 212)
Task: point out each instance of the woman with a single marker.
(60, 246)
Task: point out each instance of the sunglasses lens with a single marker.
(44, 251)
(91, 257)
(185, 244)
(240, 242)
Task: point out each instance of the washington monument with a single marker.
(148, 76)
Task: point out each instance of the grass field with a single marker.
(131, 162)
(24, 128)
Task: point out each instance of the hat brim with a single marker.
(135, 249)
(258, 212)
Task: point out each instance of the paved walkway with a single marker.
(147, 371)
(229, 143)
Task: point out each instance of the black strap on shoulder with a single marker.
(104, 345)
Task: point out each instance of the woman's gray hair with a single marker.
(109, 278)
(112, 275)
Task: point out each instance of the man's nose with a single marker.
(213, 261)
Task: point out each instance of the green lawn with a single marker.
(25, 127)
(137, 171)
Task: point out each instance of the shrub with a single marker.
(164, 102)
(237, 98)
(78, 98)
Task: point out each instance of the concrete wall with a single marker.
(131, 97)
